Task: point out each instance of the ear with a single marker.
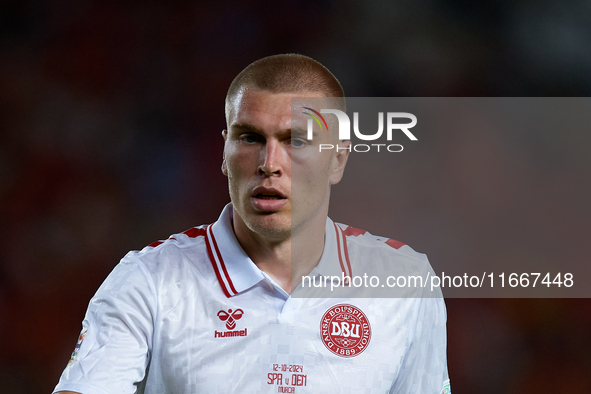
(224, 165)
(340, 161)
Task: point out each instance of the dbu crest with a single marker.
(345, 330)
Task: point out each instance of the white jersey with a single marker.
(194, 314)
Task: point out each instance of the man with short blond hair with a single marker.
(212, 309)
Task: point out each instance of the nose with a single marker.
(274, 159)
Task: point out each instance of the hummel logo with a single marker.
(230, 317)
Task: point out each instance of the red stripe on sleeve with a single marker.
(195, 232)
(353, 232)
(395, 244)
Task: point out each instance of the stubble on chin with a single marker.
(270, 228)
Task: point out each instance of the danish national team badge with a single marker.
(345, 330)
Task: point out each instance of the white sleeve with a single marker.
(424, 368)
(114, 351)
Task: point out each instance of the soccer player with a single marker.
(211, 310)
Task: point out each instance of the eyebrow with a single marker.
(246, 126)
(296, 132)
(242, 126)
(299, 132)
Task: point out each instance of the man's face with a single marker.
(263, 149)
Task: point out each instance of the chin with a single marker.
(270, 227)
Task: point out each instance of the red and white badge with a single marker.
(345, 330)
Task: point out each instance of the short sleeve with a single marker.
(424, 368)
(114, 347)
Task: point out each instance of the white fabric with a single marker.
(151, 327)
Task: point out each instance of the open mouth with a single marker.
(264, 196)
(267, 199)
(264, 193)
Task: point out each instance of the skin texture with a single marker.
(264, 149)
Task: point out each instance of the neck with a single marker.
(285, 259)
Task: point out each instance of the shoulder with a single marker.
(373, 253)
(178, 255)
(181, 240)
(363, 239)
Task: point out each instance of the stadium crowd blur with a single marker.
(111, 114)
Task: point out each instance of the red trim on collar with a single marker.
(341, 239)
(347, 254)
(218, 264)
(215, 244)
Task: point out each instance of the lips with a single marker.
(267, 193)
(266, 199)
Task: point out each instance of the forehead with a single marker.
(263, 108)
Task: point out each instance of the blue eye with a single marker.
(250, 138)
(297, 143)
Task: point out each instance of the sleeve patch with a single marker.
(446, 389)
(74, 355)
